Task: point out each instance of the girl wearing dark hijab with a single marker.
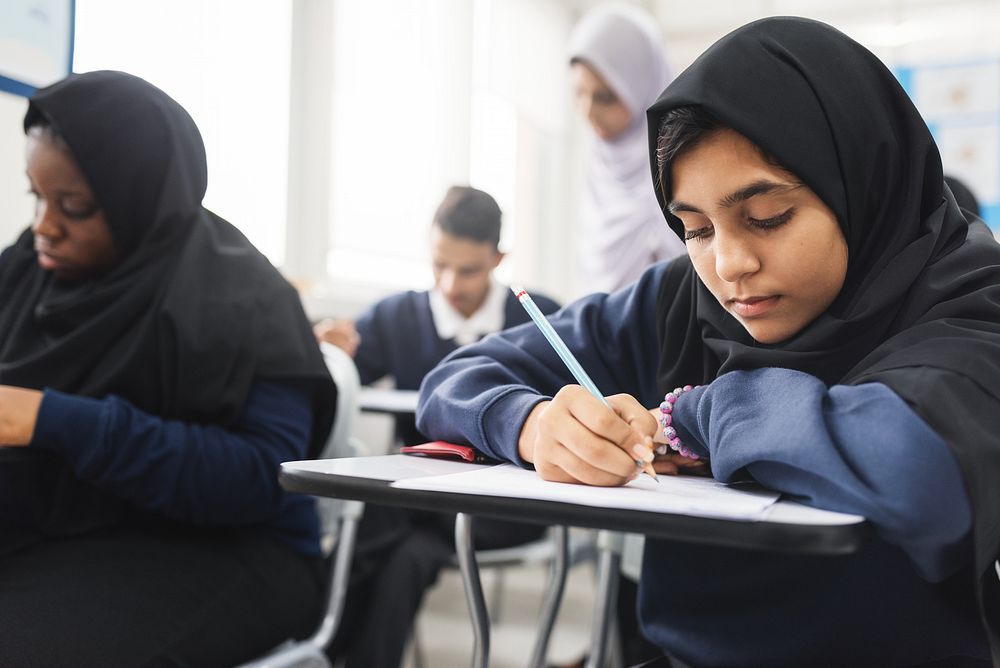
(154, 371)
(840, 317)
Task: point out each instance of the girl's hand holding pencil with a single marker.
(575, 438)
(582, 436)
(642, 449)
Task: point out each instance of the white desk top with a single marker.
(403, 467)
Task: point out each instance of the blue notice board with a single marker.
(961, 104)
(36, 43)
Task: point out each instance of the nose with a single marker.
(45, 223)
(735, 257)
(448, 282)
(587, 108)
(593, 115)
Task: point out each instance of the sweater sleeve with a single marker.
(199, 473)
(856, 449)
(482, 393)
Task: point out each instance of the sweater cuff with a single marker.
(68, 424)
(501, 423)
(688, 411)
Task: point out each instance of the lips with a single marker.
(753, 307)
(48, 262)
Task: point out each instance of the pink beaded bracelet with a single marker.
(667, 419)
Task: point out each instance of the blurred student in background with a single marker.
(155, 370)
(618, 69)
(400, 551)
(405, 335)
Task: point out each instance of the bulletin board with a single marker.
(36, 43)
(961, 104)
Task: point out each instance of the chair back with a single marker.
(342, 441)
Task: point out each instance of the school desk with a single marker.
(788, 527)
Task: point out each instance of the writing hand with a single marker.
(575, 438)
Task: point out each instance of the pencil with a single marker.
(568, 358)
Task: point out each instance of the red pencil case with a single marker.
(445, 450)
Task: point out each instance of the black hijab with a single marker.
(920, 306)
(191, 315)
(963, 195)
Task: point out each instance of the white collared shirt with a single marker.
(488, 318)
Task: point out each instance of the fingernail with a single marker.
(642, 452)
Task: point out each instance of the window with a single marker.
(227, 63)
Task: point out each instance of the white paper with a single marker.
(384, 467)
(387, 400)
(686, 495)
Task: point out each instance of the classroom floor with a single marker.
(445, 635)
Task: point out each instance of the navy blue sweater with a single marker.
(905, 598)
(398, 339)
(194, 473)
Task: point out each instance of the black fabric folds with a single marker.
(191, 315)
(920, 307)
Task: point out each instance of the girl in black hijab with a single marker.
(842, 318)
(154, 371)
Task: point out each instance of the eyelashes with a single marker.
(73, 213)
(771, 223)
(696, 234)
(774, 221)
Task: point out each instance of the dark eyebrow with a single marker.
(761, 187)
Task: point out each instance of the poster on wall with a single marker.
(961, 104)
(36, 43)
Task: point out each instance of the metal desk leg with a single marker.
(609, 547)
(473, 590)
(553, 597)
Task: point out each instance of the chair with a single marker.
(338, 524)
(339, 520)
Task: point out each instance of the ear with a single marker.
(497, 259)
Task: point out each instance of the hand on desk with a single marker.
(575, 438)
(18, 414)
(340, 333)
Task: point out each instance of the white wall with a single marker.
(506, 126)
(15, 203)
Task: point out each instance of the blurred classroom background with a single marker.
(333, 127)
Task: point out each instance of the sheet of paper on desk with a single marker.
(388, 400)
(686, 495)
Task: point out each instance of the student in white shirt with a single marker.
(400, 551)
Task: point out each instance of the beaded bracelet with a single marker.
(666, 421)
